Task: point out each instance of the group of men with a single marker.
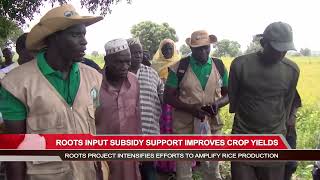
(53, 93)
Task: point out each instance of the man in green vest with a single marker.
(53, 93)
(201, 88)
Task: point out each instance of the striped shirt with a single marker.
(151, 90)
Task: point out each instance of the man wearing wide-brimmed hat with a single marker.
(262, 89)
(53, 93)
(196, 90)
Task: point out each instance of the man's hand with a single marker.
(215, 108)
(171, 97)
(197, 112)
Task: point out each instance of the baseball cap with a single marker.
(279, 35)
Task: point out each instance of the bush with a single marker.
(308, 131)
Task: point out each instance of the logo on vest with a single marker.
(94, 95)
(220, 82)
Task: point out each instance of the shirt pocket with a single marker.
(49, 123)
(130, 106)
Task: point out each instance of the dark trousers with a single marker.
(148, 171)
(244, 171)
(291, 166)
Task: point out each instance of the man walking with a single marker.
(53, 93)
(194, 86)
(262, 87)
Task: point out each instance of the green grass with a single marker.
(308, 126)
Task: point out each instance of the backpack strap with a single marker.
(220, 66)
(182, 68)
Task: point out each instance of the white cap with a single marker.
(115, 46)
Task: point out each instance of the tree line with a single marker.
(13, 16)
(151, 34)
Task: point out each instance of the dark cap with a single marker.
(279, 35)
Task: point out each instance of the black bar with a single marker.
(225, 155)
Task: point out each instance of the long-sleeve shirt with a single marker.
(261, 94)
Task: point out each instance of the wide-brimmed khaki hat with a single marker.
(200, 38)
(57, 19)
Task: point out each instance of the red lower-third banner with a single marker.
(140, 142)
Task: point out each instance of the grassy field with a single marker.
(308, 126)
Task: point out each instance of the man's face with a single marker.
(201, 53)
(167, 50)
(136, 55)
(7, 54)
(271, 54)
(119, 63)
(72, 42)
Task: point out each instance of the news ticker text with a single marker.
(159, 155)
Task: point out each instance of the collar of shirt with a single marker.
(193, 61)
(46, 69)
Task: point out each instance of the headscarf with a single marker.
(160, 64)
